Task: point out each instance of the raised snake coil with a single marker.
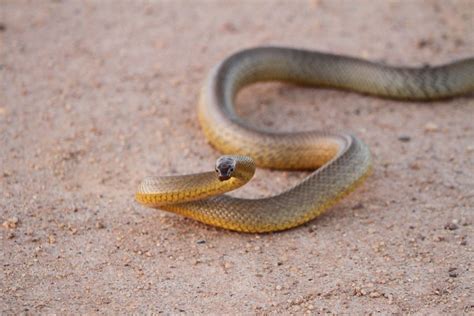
(341, 160)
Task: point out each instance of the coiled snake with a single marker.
(341, 160)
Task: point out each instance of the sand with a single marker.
(96, 95)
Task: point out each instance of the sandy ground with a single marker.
(96, 95)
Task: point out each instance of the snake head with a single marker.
(225, 167)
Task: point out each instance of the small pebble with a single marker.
(451, 226)
(404, 138)
(431, 127)
(200, 242)
(375, 294)
(229, 28)
(424, 42)
(452, 273)
(358, 206)
(176, 82)
(11, 223)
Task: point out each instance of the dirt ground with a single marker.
(95, 95)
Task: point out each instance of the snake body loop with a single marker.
(341, 160)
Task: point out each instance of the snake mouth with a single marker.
(224, 173)
(223, 177)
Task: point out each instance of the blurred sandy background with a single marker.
(95, 95)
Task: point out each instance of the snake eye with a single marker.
(231, 169)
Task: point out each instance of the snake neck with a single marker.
(245, 168)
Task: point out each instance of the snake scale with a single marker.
(341, 160)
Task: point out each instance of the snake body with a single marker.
(341, 160)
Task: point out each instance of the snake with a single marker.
(339, 161)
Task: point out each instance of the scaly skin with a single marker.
(341, 160)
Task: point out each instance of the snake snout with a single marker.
(225, 167)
